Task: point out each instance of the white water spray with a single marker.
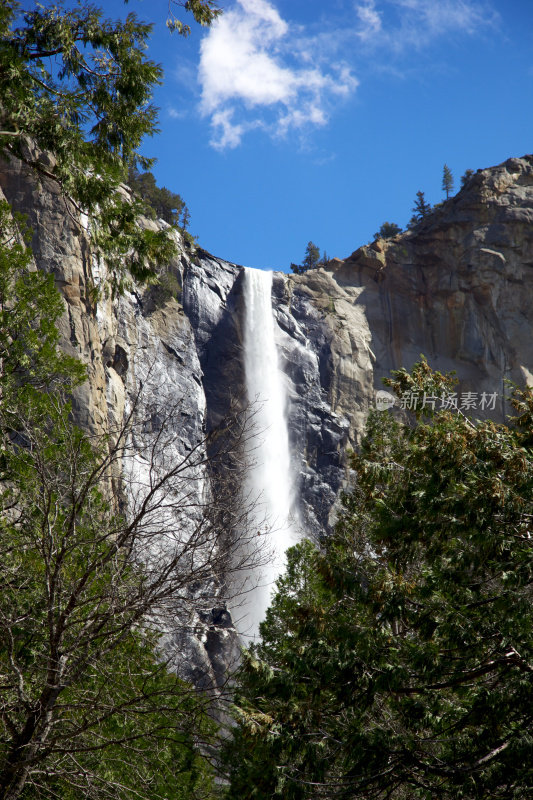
(270, 483)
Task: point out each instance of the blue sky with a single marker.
(298, 120)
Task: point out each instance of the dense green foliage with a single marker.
(396, 659)
(75, 105)
(86, 709)
(387, 230)
(160, 201)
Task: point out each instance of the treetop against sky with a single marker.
(296, 120)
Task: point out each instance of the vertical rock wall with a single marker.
(457, 288)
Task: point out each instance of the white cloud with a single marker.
(177, 113)
(416, 23)
(440, 17)
(258, 71)
(229, 133)
(369, 19)
(254, 72)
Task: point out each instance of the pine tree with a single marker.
(395, 661)
(185, 218)
(421, 209)
(447, 181)
(311, 260)
(312, 257)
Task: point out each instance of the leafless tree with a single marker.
(94, 581)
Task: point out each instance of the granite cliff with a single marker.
(457, 288)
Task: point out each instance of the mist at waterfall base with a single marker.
(270, 485)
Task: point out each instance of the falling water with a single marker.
(269, 472)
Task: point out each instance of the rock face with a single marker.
(457, 288)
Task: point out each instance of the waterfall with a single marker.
(270, 484)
